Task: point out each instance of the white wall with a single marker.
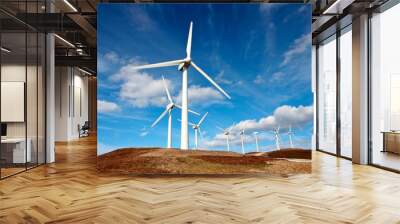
(71, 87)
(33, 126)
(17, 73)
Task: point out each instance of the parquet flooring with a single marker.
(71, 191)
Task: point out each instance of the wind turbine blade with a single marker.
(230, 128)
(160, 117)
(220, 128)
(166, 90)
(189, 123)
(210, 79)
(189, 42)
(161, 64)
(193, 112)
(202, 119)
(201, 133)
(190, 111)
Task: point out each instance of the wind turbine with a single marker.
(290, 134)
(256, 137)
(196, 128)
(183, 66)
(227, 132)
(277, 139)
(168, 109)
(242, 138)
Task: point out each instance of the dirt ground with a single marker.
(173, 161)
(286, 153)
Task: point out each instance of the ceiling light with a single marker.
(64, 40)
(70, 5)
(84, 71)
(5, 50)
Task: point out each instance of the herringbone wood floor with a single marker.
(71, 191)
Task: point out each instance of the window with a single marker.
(346, 92)
(327, 95)
(385, 88)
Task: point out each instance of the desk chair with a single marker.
(84, 130)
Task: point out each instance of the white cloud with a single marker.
(277, 76)
(107, 107)
(108, 60)
(221, 79)
(143, 133)
(141, 20)
(235, 140)
(259, 80)
(283, 116)
(202, 96)
(112, 57)
(298, 47)
(140, 89)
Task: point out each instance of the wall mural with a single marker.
(204, 88)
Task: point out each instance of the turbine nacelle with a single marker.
(170, 106)
(226, 132)
(185, 64)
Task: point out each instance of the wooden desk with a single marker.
(391, 141)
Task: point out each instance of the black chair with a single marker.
(84, 130)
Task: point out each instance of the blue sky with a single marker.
(259, 53)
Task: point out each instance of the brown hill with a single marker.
(174, 161)
(289, 153)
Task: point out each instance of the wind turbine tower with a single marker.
(290, 134)
(227, 132)
(242, 138)
(183, 66)
(256, 137)
(277, 139)
(168, 110)
(196, 128)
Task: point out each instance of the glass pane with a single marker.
(13, 87)
(31, 97)
(346, 93)
(327, 96)
(41, 98)
(386, 88)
